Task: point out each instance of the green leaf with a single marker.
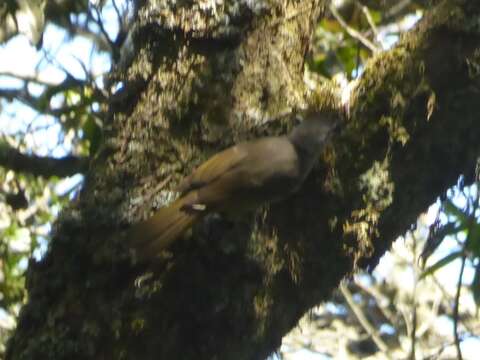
(449, 229)
(92, 133)
(437, 236)
(331, 25)
(441, 263)
(348, 57)
(376, 16)
(452, 210)
(473, 243)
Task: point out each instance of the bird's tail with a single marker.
(168, 224)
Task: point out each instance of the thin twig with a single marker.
(99, 22)
(449, 298)
(352, 32)
(369, 18)
(413, 334)
(455, 310)
(363, 320)
(29, 78)
(396, 9)
(472, 222)
(119, 14)
(379, 299)
(52, 60)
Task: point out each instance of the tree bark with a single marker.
(203, 78)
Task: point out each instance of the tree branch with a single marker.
(352, 32)
(455, 315)
(362, 319)
(35, 78)
(44, 166)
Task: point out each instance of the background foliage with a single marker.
(52, 117)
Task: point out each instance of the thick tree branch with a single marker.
(41, 165)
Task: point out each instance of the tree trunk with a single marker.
(203, 78)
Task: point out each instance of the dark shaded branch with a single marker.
(36, 103)
(97, 19)
(28, 78)
(19, 94)
(42, 102)
(41, 165)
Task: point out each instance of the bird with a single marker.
(238, 179)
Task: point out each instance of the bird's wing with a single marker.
(213, 168)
